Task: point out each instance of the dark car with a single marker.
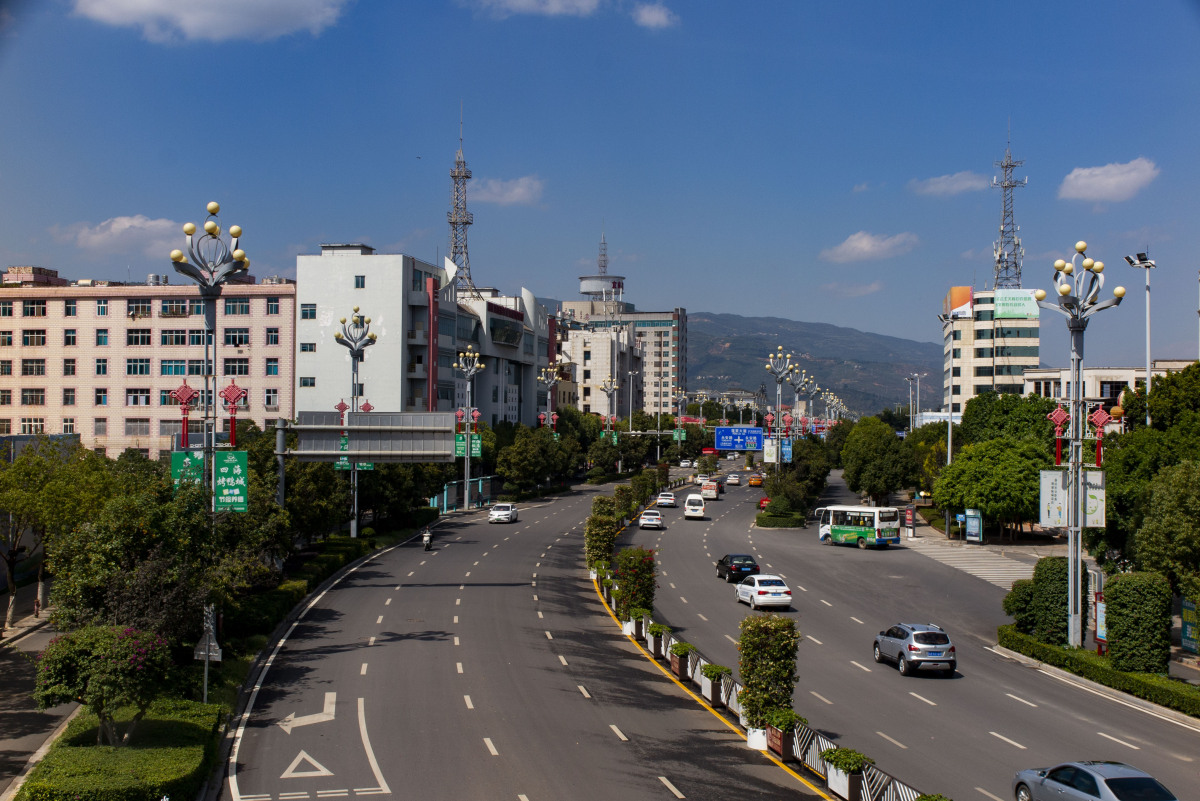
(736, 566)
(1104, 781)
(916, 646)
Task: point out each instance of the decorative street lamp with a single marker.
(608, 386)
(231, 396)
(800, 382)
(918, 377)
(469, 364)
(1078, 299)
(210, 261)
(631, 374)
(1144, 262)
(780, 366)
(356, 337)
(185, 395)
(548, 376)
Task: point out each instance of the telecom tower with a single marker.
(459, 218)
(1007, 249)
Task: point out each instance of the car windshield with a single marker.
(930, 638)
(1138, 788)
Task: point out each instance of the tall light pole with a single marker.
(1078, 299)
(909, 380)
(1144, 262)
(356, 337)
(469, 364)
(631, 374)
(800, 382)
(918, 377)
(780, 366)
(548, 376)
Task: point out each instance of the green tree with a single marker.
(634, 572)
(1169, 539)
(1172, 397)
(874, 459)
(1015, 417)
(835, 441)
(1000, 478)
(1138, 607)
(767, 662)
(527, 462)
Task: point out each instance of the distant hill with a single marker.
(867, 371)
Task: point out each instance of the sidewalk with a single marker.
(25, 621)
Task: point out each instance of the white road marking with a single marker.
(476, 563)
(671, 584)
(618, 732)
(523, 797)
(549, 636)
(388, 602)
(398, 586)
(1022, 700)
(543, 556)
(470, 705)
(458, 601)
(410, 575)
(683, 599)
(456, 618)
(826, 602)
(468, 575)
(463, 586)
(378, 620)
(860, 667)
(893, 742)
(533, 583)
(1121, 742)
(534, 575)
(540, 615)
(583, 690)
(820, 697)
(989, 795)
(456, 639)
(814, 639)
(731, 639)
(422, 562)
(363, 672)
(537, 564)
(371, 641)
(671, 787)
(381, 786)
(491, 748)
(535, 596)
(856, 620)
(562, 659)
(922, 698)
(458, 665)
(1005, 739)
(702, 617)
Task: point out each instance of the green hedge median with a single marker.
(768, 520)
(1161, 690)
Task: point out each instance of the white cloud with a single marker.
(214, 20)
(852, 290)
(868, 247)
(545, 8)
(523, 191)
(1112, 182)
(137, 235)
(654, 16)
(863, 187)
(956, 184)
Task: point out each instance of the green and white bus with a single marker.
(859, 525)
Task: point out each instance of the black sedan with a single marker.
(736, 566)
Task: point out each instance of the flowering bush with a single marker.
(634, 573)
(768, 647)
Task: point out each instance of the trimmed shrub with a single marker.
(422, 516)
(785, 718)
(847, 760)
(599, 536)
(634, 571)
(1050, 599)
(714, 672)
(768, 520)
(768, 645)
(623, 501)
(1018, 605)
(1139, 622)
(682, 648)
(604, 506)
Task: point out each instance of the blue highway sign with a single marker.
(739, 438)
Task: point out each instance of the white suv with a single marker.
(503, 513)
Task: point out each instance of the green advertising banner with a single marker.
(187, 466)
(476, 446)
(1015, 304)
(229, 481)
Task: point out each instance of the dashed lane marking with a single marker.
(620, 735)
(491, 748)
(1005, 739)
(820, 697)
(896, 743)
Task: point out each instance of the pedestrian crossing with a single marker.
(979, 562)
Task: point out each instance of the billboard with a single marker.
(1015, 304)
(958, 302)
(1055, 498)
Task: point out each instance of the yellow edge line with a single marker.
(700, 700)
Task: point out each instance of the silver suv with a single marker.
(915, 647)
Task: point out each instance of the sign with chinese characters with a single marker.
(1014, 304)
(770, 452)
(1055, 498)
(1191, 625)
(187, 466)
(229, 481)
(738, 438)
(786, 448)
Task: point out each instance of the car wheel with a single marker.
(737, 596)
(719, 573)
(878, 656)
(862, 543)
(827, 540)
(950, 673)
(1023, 793)
(753, 604)
(902, 666)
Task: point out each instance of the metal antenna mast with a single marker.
(1007, 249)
(459, 218)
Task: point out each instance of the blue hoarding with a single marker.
(738, 438)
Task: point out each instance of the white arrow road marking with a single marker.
(317, 768)
(291, 721)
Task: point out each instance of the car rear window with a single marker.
(742, 560)
(771, 583)
(930, 638)
(1138, 788)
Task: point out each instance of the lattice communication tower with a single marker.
(459, 219)
(1007, 249)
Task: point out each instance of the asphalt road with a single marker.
(485, 669)
(963, 737)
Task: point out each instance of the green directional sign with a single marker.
(679, 435)
(460, 445)
(614, 437)
(229, 481)
(476, 445)
(187, 466)
(365, 465)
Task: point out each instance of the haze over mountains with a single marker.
(867, 371)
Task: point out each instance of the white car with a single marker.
(666, 499)
(734, 480)
(701, 479)
(685, 463)
(503, 513)
(694, 507)
(731, 456)
(764, 590)
(651, 518)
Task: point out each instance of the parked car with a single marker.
(1104, 781)
(755, 480)
(915, 647)
(685, 462)
(693, 507)
(651, 518)
(764, 590)
(503, 513)
(734, 480)
(736, 566)
(666, 499)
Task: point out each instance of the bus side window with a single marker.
(839, 518)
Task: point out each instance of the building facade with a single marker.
(1103, 385)
(990, 338)
(599, 354)
(100, 358)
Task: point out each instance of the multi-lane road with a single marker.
(487, 668)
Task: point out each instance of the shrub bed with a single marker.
(768, 520)
(1160, 690)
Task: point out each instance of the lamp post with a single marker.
(1144, 262)
(1078, 299)
(780, 366)
(356, 337)
(548, 376)
(800, 382)
(469, 364)
(909, 380)
(918, 377)
(210, 261)
(631, 375)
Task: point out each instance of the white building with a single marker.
(990, 338)
(599, 354)
(1103, 385)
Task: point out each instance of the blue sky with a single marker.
(825, 162)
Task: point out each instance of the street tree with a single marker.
(527, 462)
(835, 441)
(874, 460)
(1000, 477)
(1015, 417)
(1169, 539)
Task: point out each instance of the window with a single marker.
(33, 397)
(5, 426)
(272, 366)
(5, 397)
(100, 426)
(174, 307)
(984, 314)
(101, 366)
(308, 347)
(360, 282)
(272, 336)
(137, 426)
(69, 308)
(102, 307)
(196, 336)
(587, 356)
(33, 308)
(6, 308)
(172, 367)
(138, 307)
(587, 375)
(196, 306)
(308, 381)
(165, 398)
(983, 371)
(174, 337)
(101, 336)
(137, 397)
(237, 367)
(6, 338)
(983, 353)
(237, 337)
(68, 397)
(237, 306)
(33, 366)
(138, 336)
(308, 311)
(33, 337)
(68, 425)
(169, 428)
(69, 336)
(137, 367)
(6, 367)
(196, 367)
(33, 425)
(101, 397)
(272, 305)
(271, 399)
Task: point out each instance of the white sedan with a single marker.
(666, 499)
(651, 518)
(734, 480)
(503, 513)
(764, 590)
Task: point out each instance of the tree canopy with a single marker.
(875, 460)
(1000, 477)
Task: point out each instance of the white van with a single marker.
(694, 506)
(710, 491)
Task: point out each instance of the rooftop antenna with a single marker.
(1007, 249)
(460, 219)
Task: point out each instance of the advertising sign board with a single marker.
(1101, 618)
(1055, 495)
(974, 525)
(1191, 626)
(1015, 304)
(958, 302)
(786, 448)
(738, 438)
(770, 452)
(229, 481)
(187, 466)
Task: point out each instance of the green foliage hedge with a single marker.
(768, 646)
(173, 753)
(1018, 605)
(1160, 690)
(634, 570)
(768, 520)
(599, 537)
(623, 500)
(423, 516)
(1139, 622)
(1050, 599)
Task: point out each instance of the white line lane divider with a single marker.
(826, 602)
(671, 787)
(1121, 742)
(860, 667)
(491, 748)
(470, 705)
(820, 697)
(583, 690)
(620, 735)
(378, 620)
(562, 659)
(856, 620)
(814, 639)
(549, 636)
(363, 672)
(731, 639)
(1005, 739)
(1022, 700)
(458, 665)
(922, 698)
(896, 743)
(989, 795)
